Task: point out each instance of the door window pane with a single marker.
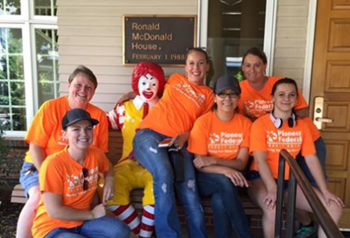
(47, 61)
(10, 7)
(45, 7)
(12, 85)
(233, 27)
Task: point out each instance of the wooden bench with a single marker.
(253, 212)
(115, 148)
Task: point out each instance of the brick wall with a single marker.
(11, 165)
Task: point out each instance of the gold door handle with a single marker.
(318, 118)
(324, 120)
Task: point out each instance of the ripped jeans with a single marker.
(156, 161)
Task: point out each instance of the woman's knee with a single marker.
(224, 186)
(269, 215)
(335, 211)
(121, 230)
(106, 227)
(225, 183)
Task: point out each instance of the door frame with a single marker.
(270, 29)
(269, 38)
(309, 51)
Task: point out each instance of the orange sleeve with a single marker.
(50, 176)
(209, 101)
(103, 162)
(198, 141)
(41, 127)
(257, 136)
(247, 125)
(101, 129)
(308, 146)
(102, 140)
(301, 102)
(315, 133)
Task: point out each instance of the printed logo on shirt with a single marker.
(186, 90)
(224, 142)
(76, 182)
(258, 107)
(290, 140)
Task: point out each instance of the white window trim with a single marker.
(25, 69)
(33, 58)
(270, 29)
(270, 33)
(310, 37)
(28, 26)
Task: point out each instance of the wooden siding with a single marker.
(291, 30)
(90, 33)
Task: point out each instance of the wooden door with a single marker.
(331, 79)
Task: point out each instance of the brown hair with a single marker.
(81, 69)
(256, 52)
(197, 49)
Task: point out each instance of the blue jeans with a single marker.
(156, 160)
(321, 154)
(28, 180)
(104, 227)
(227, 207)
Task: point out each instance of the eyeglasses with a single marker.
(230, 95)
(85, 176)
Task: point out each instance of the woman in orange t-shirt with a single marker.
(269, 134)
(68, 183)
(185, 98)
(45, 137)
(220, 141)
(256, 101)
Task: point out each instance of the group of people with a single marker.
(216, 132)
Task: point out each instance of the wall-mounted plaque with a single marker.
(161, 39)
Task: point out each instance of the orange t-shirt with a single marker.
(264, 136)
(313, 129)
(62, 175)
(258, 103)
(181, 104)
(213, 137)
(46, 130)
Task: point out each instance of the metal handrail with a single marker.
(297, 175)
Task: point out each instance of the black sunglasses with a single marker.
(230, 95)
(85, 176)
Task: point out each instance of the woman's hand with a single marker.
(108, 189)
(236, 177)
(98, 211)
(270, 198)
(181, 139)
(200, 161)
(328, 196)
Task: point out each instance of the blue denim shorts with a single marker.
(253, 174)
(321, 155)
(28, 180)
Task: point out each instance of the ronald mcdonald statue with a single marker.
(148, 84)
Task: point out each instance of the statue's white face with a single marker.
(148, 87)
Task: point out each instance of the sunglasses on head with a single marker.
(85, 176)
(196, 48)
